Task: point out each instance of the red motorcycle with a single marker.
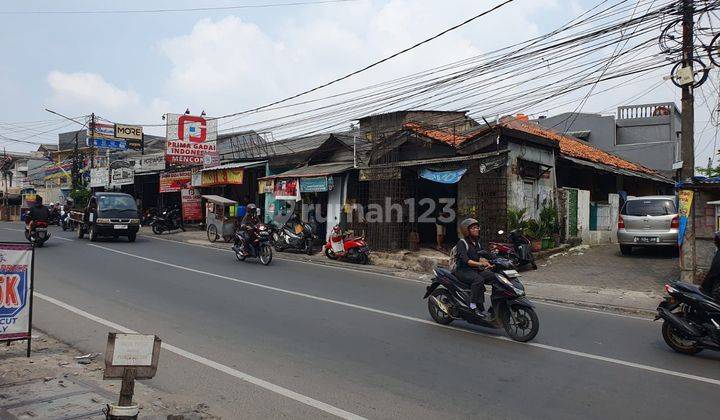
(344, 247)
(38, 234)
(517, 250)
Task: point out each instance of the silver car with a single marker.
(648, 221)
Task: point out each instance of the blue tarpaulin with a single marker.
(443, 177)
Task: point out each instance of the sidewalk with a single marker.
(595, 277)
(57, 382)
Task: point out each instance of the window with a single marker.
(653, 207)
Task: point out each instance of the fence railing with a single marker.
(646, 110)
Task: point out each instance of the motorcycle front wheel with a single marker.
(330, 254)
(522, 324)
(265, 254)
(240, 256)
(677, 342)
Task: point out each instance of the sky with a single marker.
(133, 68)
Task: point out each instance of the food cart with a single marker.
(219, 218)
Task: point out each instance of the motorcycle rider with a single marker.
(711, 283)
(472, 265)
(247, 227)
(37, 213)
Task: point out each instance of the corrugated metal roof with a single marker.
(219, 200)
(614, 169)
(236, 165)
(322, 169)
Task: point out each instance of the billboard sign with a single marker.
(122, 176)
(174, 181)
(99, 177)
(16, 285)
(101, 130)
(191, 204)
(107, 143)
(190, 138)
(130, 132)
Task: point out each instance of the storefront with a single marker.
(317, 193)
(235, 181)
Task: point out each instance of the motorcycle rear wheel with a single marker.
(524, 327)
(265, 254)
(157, 230)
(677, 343)
(437, 314)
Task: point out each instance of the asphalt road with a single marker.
(299, 340)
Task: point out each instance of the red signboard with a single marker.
(190, 138)
(191, 202)
(174, 181)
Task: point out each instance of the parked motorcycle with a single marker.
(167, 220)
(295, 234)
(259, 246)
(38, 235)
(344, 247)
(691, 319)
(517, 249)
(449, 299)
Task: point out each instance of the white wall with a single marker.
(336, 199)
(584, 215)
(542, 189)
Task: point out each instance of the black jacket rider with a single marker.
(38, 212)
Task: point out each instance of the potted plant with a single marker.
(533, 231)
(549, 224)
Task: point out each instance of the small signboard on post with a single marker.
(130, 357)
(16, 291)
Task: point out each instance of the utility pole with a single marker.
(688, 107)
(92, 140)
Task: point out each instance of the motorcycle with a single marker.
(517, 249)
(38, 235)
(511, 310)
(691, 319)
(54, 218)
(344, 247)
(167, 220)
(66, 223)
(294, 234)
(259, 247)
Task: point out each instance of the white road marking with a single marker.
(51, 235)
(212, 364)
(294, 260)
(427, 322)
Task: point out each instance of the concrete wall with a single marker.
(698, 250)
(584, 215)
(529, 193)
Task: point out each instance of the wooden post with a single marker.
(127, 388)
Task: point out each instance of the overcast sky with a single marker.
(135, 67)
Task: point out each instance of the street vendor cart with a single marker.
(218, 217)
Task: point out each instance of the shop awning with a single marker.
(219, 200)
(322, 169)
(236, 165)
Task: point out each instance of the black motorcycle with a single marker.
(257, 247)
(38, 235)
(691, 319)
(66, 223)
(517, 249)
(295, 234)
(167, 220)
(510, 309)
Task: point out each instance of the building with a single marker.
(648, 134)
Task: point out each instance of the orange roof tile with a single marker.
(573, 147)
(435, 134)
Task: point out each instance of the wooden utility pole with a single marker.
(688, 107)
(92, 140)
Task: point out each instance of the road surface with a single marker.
(300, 340)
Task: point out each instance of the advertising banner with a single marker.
(211, 159)
(266, 186)
(189, 138)
(174, 181)
(317, 184)
(222, 177)
(130, 132)
(16, 277)
(685, 199)
(104, 143)
(149, 163)
(287, 189)
(122, 176)
(191, 202)
(99, 177)
(102, 130)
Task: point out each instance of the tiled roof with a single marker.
(570, 146)
(435, 134)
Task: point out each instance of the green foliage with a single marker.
(549, 220)
(533, 230)
(515, 219)
(80, 197)
(709, 172)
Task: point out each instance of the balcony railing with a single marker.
(646, 110)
